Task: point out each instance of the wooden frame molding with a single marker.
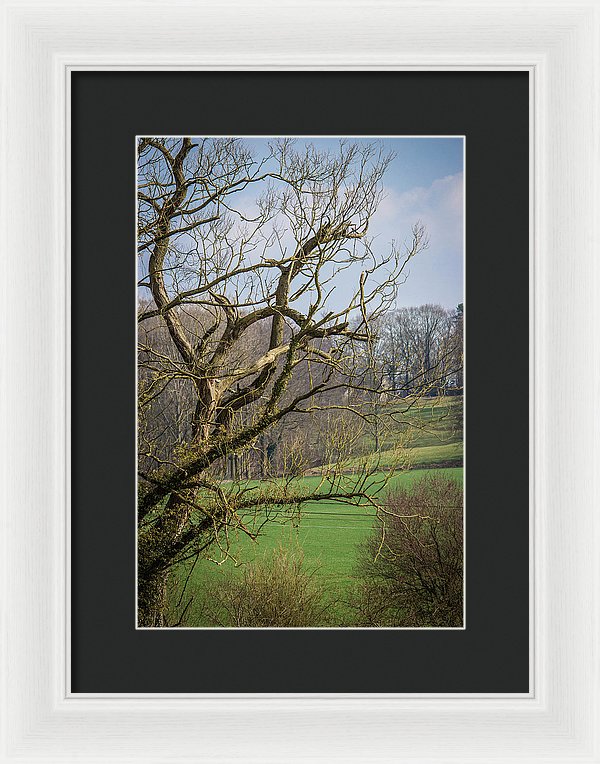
(558, 42)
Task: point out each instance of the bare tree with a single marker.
(241, 328)
(421, 349)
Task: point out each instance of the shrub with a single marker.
(410, 570)
(276, 590)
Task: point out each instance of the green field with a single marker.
(432, 430)
(428, 433)
(444, 454)
(327, 533)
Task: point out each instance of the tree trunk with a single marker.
(152, 599)
(157, 549)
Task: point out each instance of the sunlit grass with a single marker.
(327, 532)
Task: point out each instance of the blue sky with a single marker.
(424, 182)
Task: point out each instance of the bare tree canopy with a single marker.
(241, 326)
(421, 349)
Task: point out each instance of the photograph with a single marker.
(301, 382)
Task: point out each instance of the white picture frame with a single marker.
(558, 42)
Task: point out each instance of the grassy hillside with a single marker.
(427, 436)
(426, 433)
(327, 532)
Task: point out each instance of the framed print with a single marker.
(355, 142)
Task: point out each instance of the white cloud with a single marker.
(435, 275)
(439, 206)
